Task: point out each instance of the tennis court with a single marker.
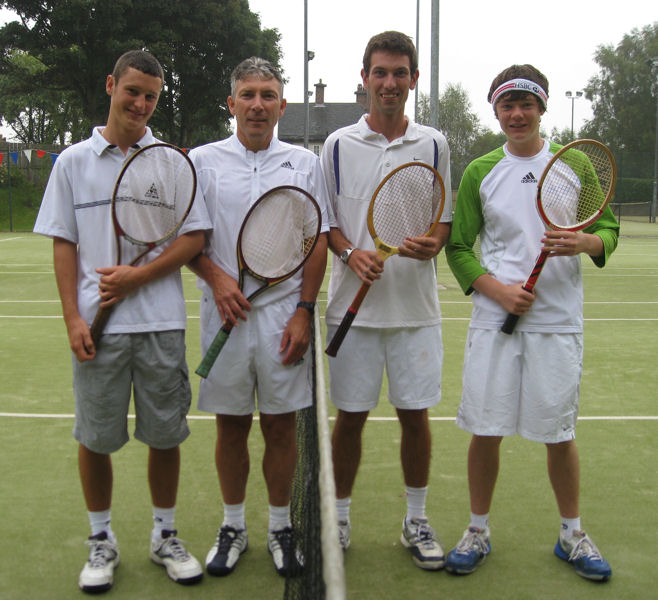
(44, 517)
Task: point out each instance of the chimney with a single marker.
(361, 96)
(319, 92)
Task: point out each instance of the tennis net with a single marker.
(313, 507)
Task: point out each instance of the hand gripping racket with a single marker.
(277, 235)
(573, 191)
(152, 197)
(407, 203)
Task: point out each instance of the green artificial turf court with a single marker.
(43, 515)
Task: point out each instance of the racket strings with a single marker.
(154, 194)
(279, 233)
(406, 205)
(576, 187)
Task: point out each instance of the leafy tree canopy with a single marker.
(77, 42)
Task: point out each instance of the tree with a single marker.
(198, 43)
(35, 115)
(622, 101)
(561, 137)
(456, 121)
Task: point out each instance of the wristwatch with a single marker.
(309, 306)
(345, 254)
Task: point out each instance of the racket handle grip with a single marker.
(510, 324)
(213, 351)
(341, 332)
(98, 325)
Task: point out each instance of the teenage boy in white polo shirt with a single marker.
(536, 397)
(398, 327)
(143, 346)
(267, 353)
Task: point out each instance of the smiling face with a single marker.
(257, 106)
(133, 98)
(519, 120)
(388, 82)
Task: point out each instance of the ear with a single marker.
(414, 79)
(109, 85)
(231, 105)
(282, 109)
(364, 78)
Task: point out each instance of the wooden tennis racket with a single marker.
(151, 200)
(407, 203)
(572, 193)
(277, 236)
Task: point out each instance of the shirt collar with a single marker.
(412, 132)
(100, 144)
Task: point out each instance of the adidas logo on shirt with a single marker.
(529, 178)
(287, 165)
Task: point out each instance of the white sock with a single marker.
(343, 508)
(163, 518)
(99, 522)
(416, 502)
(279, 517)
(569, 526)
(234, 515)
(480, 521)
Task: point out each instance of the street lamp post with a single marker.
(573, 98)
(653, 64)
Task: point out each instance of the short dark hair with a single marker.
(138, 59)
(255, 67)
(518, 72)
(393, 42)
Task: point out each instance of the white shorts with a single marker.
(250, 363)
(412, 358)
(526, 384)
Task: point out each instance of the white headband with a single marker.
(523, 85)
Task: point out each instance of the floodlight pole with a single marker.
(653, 64)
(306, 109)
(434, 76)
(418, 52)
(572, 97)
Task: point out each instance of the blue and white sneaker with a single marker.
(98, 573)
(582, 553)
(287, 557)
(344, 531)
(470, 552)
(420, 538)
(223, 556)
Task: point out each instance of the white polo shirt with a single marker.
(355, 159)
(232, 178)
(76, 207)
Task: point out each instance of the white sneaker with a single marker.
(420, 538)
(98, 573)
(169, 552)
(344, 531)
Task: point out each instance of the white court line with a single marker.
(382, 419)
(11, 239)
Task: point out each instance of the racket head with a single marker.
(153, 194)
(407, 203)
(576, 185)
(278, 234)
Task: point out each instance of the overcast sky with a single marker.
(477, 40)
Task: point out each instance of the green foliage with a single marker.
(623, 93)
(457, 122)
(633, 190)
(198, 43)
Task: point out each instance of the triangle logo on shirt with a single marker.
(529, 178)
